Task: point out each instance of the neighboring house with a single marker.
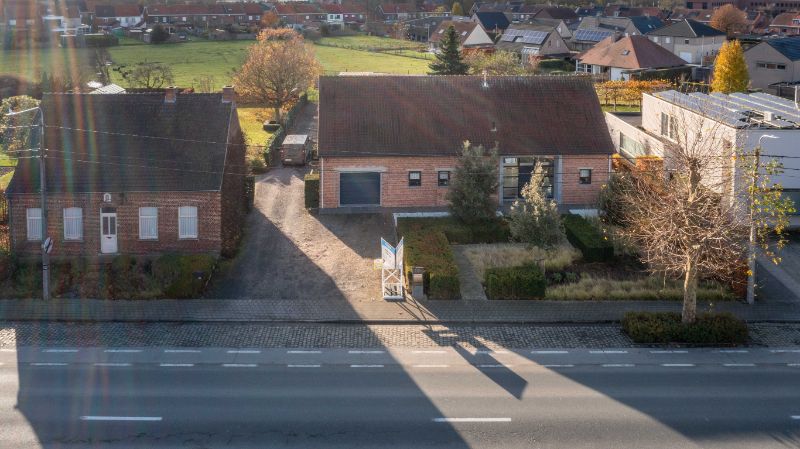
(137, 174)
(787, 24)
(727, 122)
(335, 14)
(627, 26)
(532, 41)
(618, 57)
(369, 157)
(124, 15)
(699, 15)
(585, 38)
(774, 61)
(559, 25)
(692, 41)
(569, 16)
(204, 15)
(421, 30)
(470, 34)
(300, 14)
(626, 11)
(492, 22)
(395, 12)
(109, 89)
(354, 13)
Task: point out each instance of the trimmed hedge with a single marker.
(312, 190)
(430, 249)
(585, 237)
(666, 327)
(459, 233)
(523, 282)
(101, 40)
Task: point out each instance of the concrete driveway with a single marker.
(288, 253)
(781, 283)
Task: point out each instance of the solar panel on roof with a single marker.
(591, 35)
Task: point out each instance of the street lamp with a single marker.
(751, 248)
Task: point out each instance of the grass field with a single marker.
(32, 63)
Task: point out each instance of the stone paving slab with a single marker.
(229, 335)
(370, 311)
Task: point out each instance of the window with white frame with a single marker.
(585, 176)
(34, 218)
(148, 223)
(73, 223)
(187, 222)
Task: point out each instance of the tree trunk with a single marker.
(277, 114)
(690, 292)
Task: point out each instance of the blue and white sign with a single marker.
(392, 256)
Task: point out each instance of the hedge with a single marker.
(666, 327)
(101, 40)
(459, 233)
(312, 190)
(523, 282)
(430, 249)
(585, 237)
(183, 276)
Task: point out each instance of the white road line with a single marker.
(303, 366)
(618, 365)
(549, 352)
(733, 351)
(429, 352)
(677, 365)
(239, 365)
(608, 352)
(48, 364)
(738, 364)
(471, 419)
(365, 352)
(430, 366)
(670, 351)
(59, 350)
(298, 351)
(244, 351)
(126, 351)
(113, 364)
(795, 416)
(494, 366)
(121, 418)
(7, 350)
(366, 366)
(170, 365)
(489, 351)
(182, 351)
(558, 366)
(780, 351)
(793, 364)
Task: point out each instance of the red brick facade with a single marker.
(395, 191)
(209, 223)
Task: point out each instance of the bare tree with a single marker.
(205, 84)
(149, 75)
(278, 68)
(687, 224)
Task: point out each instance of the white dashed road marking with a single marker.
(118, 365)
(244, 351)
(303, 366)
(298, 351)
(365, 352)
(672, 351)
(488, 351)
(48, 364)
(494, 366)
(549, 352)
(59, 350)
(176, 365)
(677, 365)
(793, 364)
(795, 416)
(608, 352)
(366, 366)
(239, 365)
(182, 351)
(559, 366)
(733, 351)
(738, 364)
(121, 418)
(471, 419)
(780, 351)
(618, 365)
(126, 351)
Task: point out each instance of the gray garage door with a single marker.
(359, 189)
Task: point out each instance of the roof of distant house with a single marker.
(547, 115)
(130, 142)
(787, 46)
(492, 20)
(463, 30)
(127, 10)
(786, 19)
(515, 37)
(687, 28)
(646, 24)
(631, 52)
(557, 12)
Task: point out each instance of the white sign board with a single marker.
(398, 255)
(388, 254)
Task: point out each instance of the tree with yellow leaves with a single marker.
(730, 69)
(729, 19)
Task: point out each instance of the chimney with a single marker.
(171, 94)
(228, 94)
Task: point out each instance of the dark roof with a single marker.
(557, 12)
(687, 28)
(94, 145)
(787, 46)
(534, 115)
(492, 19)
(646, 24)
(463, 30)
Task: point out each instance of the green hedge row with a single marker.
(666, 327)
(430, 249)
(312, 190)
(459, 233)
(586, 238)
(523, 282)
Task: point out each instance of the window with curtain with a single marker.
(148, 223)
(34, 216)
(187, 222)
(73, 223)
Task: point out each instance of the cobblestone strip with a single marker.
(340, 335)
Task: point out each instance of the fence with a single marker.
(274, 141)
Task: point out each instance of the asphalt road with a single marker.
(444, 398)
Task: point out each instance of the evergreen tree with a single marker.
(457, 9)
(449, 60)
(730, 69)
(474, 185)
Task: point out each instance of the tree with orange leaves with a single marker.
(279, 66)
(729, 19)
(270, 20)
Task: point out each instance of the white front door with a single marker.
(108, 232)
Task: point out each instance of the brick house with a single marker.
(394, 141)
(138, 174)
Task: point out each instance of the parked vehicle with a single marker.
(296, 149)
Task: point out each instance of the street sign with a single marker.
(47, 246)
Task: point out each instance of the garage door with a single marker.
(359, 189)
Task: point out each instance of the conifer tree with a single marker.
(730, 69)
(449, 60)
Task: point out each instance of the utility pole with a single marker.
(751, 244)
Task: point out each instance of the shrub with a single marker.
(550, 65)
(159, 34)
(257, 165)
(183, 276)
(458, 232)
(312, 190)
(101, 40)
(430, 249)
(500, 255)
(587, 287)
(535, 219)
(587, 239)
(523, 282)
(474, 182)
(666, 327)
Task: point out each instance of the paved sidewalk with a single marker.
(369, 311)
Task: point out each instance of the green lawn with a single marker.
(621, 108)
(5, 179)
(32, 63)
(374, 42)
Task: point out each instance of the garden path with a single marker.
(471, 287)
